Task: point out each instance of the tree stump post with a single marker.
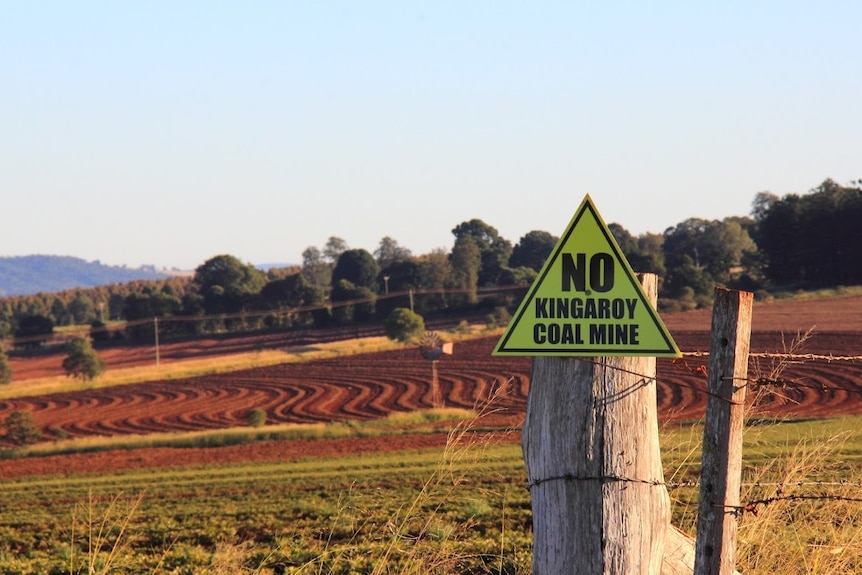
(590, 442)
(721, 470)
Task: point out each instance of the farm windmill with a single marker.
(431, 346)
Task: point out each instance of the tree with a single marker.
(494, 251)
(761, 204)
(293, 291)
(5, 368)
(34, 329)
(644, 253)
(466, 261)
(435, 272)
(813, 240)
(81, 309)
(358, 267)
(21, 429)
(315, 268)
(403, 325)
(363, 302)
(389, 252)
(701, 253)
(83, 362)
(334, 247)
(256, 417)
(401, 275)
(532, 250)
(398, 277)
(227, 284)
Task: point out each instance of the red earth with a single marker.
(368, 386)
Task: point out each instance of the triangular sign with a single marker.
(586, 301)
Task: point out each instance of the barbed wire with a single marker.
(782, 383)
(779, 484)
(753, 383)
(754, 506)
(782, 355)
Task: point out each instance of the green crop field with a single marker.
(462, 509)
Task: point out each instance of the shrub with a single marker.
(499, 317)
(256, 417)
(404, 325)
(82, 361)
(5, 368)
(21, 430)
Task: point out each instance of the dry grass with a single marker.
(175, 369)
(194, 367)
(801, 520)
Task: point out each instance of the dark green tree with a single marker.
(644, 253)
(256, 417)
(34, 329)
(352, 303)
(21, 429)
(359, 268)
(82, 309)
(403, 325)
(533, 250)
(6, 317)
(401, 275)
(5, 368)
(99, 331)
(435, 272)
(389, 252)
(398, 277)
(59, 312)
(333, 249)
(83, 362)
(292, 292)
(494, 251)
(813, 240)
(142, 307)
(316, 269)
(227, 284)
(701, 253)
(466, 259)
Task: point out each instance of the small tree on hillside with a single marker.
(83, 361)
(5, 368)
(21, 429)
(404, 325)
(256, 417)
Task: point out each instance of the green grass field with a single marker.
(463, 509)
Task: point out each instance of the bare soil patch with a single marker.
(373, 385)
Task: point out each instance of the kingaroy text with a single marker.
(599, 321)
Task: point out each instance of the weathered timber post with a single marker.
(590, 442)
(721, 469)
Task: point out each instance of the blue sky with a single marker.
(165, 133)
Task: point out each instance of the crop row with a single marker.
(463, 508)
(370, 386)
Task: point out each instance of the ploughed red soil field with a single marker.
(373, 385)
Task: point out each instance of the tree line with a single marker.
(798, 241)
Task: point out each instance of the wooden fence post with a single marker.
(590, 442)
(721, 470)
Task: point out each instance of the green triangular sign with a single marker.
(586, 301)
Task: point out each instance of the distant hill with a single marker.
(23, 275)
